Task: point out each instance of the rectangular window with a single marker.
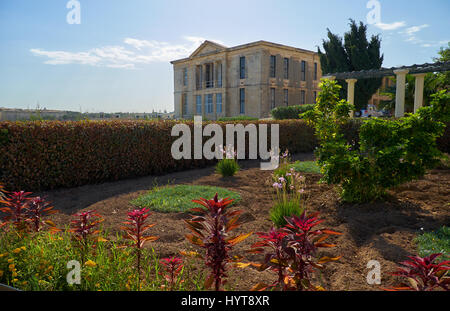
(219, 102)
(286, 68)
(209, 69)
(209, 103)
(184, 104)
(302, 97)
(185, 76)
(198, 104)
(286, 97)
(199, 77)
(242, 67)
(315, 71)
(303, 71)
(219, 75)
(315, 96)
(242, 101)
(272, 98)
(273, 66)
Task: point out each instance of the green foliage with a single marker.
(227, 167)
(238, 118)
(44, 155)
(306, 167)
(179, 198)
(390, 152)
(38, 262)
(284, 209)
(290, 112)
(355, 53)
(435, 242)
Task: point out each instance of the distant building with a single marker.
(13, 114)
(250, 79)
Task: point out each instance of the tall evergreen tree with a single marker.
(354, 53)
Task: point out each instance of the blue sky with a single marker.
(117, 58)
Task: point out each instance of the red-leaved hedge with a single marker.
(44, 155)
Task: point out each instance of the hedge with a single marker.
(290, 112)
(43, 155)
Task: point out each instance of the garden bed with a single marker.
(376, 231)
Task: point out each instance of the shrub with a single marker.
(43, 155)
(178, 198)
(390, 152)
(227, 166)
(290, 112)
(423, 274)
(293, 252)
(210, 231)
(283, 209)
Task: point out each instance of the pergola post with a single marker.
(418, 93)
(351, 92)
(400, 92)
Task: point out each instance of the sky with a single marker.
(117, 58)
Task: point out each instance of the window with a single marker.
(315, 96)
(286, 97)
(303, 73)
(302, 97)
(209, 103)
(242, 101)
(198, 104)
(219, 103)
(209, 69)
(184, 104)
(315, 71)
(185, 76)
(286, 68)
(242, 67)
(273, 65)
(219, 75)
(199, 77)
(272, 98)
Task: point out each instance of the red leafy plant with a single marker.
(83, 227)
(423, 273)
(38, 208)
(293, 252)
(16, 208)
(135, 229)
(173, 267)
(211, 232)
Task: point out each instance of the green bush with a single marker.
(227, 167)
(179, 198)
(284, 209)
(390, 152)
(290, 112)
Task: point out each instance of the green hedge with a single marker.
(42, 155)
(290, 112)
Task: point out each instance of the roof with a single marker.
(221, 48)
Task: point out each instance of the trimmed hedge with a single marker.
(290, 112)
(42, 155)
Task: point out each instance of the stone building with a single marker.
(250, 79)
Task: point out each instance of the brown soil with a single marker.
(378, 231)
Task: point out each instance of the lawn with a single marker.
(179, 198)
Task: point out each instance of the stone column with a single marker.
(400, 92)
(418, 93)
(351, 92)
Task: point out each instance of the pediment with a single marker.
(208, 47)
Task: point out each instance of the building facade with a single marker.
(250, 79)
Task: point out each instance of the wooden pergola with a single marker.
(418, 71)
